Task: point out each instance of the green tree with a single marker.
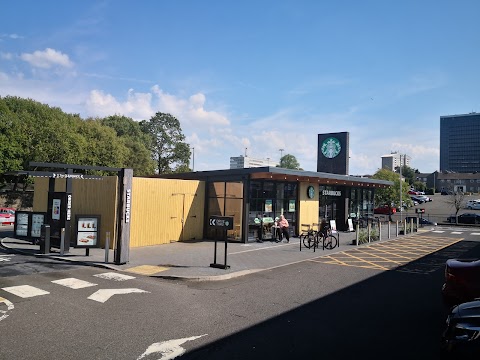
(408, 173)
(289, 161)
(390, 195)
(168, 148)
(419, 185)
(137, 143)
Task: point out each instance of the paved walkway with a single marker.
(191, 260)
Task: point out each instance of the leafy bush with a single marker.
(363, 235)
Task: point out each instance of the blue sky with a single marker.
(262, 75)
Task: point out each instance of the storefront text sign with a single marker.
(331, 193)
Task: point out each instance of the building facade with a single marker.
(303, 197)
(243, 162)
(459, 143)
(394, 160)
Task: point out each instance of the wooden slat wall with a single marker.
(156, 209)
(157, 206)
(90, 197)
(308, 207)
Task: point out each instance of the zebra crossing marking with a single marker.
(25, 291)
(73, 283)
(114, 276)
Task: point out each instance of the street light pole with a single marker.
(401, 205)
(281, 153)
(193, 160)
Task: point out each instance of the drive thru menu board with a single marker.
(21, 228)
(37, 222)
(87, 231)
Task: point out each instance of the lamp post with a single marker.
(281, 153)
(193, 159)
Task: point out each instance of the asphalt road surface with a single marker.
(309, 310)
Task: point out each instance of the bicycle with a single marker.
(330, 241)
(311, 238)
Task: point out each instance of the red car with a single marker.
(462, 281)
(384, 210)
(7, 216)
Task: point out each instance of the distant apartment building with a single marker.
(460, 143)
(241, 162)
(394, 160)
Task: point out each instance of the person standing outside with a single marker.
(283, 229)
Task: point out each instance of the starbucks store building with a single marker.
(303, 197)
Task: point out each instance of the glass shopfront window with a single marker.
(226, 199)
(360, 203)
(330, 197)
(269, 200)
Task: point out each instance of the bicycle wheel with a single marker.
(330, 242)
(307, 239)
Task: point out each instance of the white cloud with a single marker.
(6, 56)
(191, 111)
(47, 59)
(137, 105)
(11, 36)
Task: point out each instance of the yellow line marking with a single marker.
(368, 262)
(147, 269)
(345, 258)
(386, 252)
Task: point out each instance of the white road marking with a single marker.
(103, 295)
(4, 259)
(439, 231)
(475, 234)
(25, 291)
(73, 283)
(169, 349)
(9, 308)
(457, 232)
(114, 276)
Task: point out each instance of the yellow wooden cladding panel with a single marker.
(158, 207)
(89, 197)
(308, 207)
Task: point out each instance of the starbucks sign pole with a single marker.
(220, 223)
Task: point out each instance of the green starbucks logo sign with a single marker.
(331, 147)
(311, 192)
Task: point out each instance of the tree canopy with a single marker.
(390, 195)
(168, 148)
(31, 131)
(289, 161)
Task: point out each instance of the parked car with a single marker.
(460, 339)
(425, 198)
(417, 198)
(473, 204)
(7, 216)
(413, 192)
(421, 221)
(462, 281)
(465, 218)
(385, 210)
